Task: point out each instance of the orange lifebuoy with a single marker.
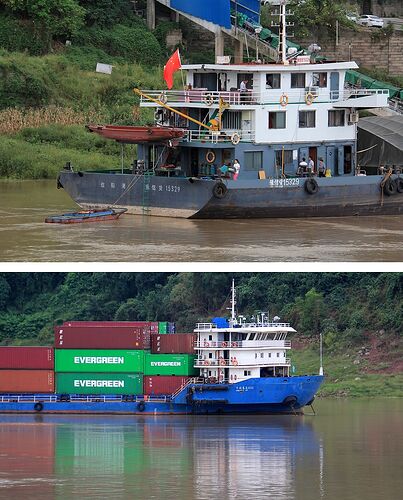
(235, 362)
(224, 344)
(234, 344)
(206, 344)
(309, 97)
(284, 100)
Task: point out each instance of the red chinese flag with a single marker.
(173, 64)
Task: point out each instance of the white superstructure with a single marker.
(242, 350)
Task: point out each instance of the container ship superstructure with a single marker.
(224, 367)
(291, 125)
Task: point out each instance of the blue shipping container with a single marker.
(217, 12)
(220, 322)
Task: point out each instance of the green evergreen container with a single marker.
(99, 383)
(163, 327)
(99, 360)
(169, 364)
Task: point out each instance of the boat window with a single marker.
(205, 81)
(231, 120)
(307, 119)
(262, 354)
(336, 118)
(210, 337)
(273, 80)
(210, 355)
(277, 119)
(278, 354)
(255, 355)
(246, 373)
(319, 80)
(209, 373)
(253, 160)
(245, 77)
(297, 80)
(252, 336)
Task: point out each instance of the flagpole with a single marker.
(183, 79)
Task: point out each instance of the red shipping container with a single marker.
(177, 343)
(160, 384)
(92, 324)
(40, 381)
(27, 358)
(102, 337)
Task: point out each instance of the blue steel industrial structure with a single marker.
(218, 11)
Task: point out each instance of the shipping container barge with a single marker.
(239, 367)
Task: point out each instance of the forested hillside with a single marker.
(345, 307)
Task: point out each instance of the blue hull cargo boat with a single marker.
(243, 369)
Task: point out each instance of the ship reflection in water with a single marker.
(349, 450)
(200, 458)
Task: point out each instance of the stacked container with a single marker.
(101, 357)
(170, 364)
(26, 369)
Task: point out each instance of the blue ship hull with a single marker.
(257, 395)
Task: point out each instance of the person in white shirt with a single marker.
(237, 168)
(311, 166)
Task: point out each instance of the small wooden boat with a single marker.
(86, 216)
(137, 134)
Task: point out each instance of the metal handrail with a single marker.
(224, 135)
(207, 344)
(235, 363)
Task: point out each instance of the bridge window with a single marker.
(307, 119)
(336, 118)
(253, 160)
(273, 80)
(319, 80)
(297, 80)
(277, 119)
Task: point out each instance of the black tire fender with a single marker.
(399, 184)
(59, 185)
(141, 406)
(311, 186)
(290, 400)
(219, 190)
(390, 187)
(38, 407)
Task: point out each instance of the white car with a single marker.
(370, 21)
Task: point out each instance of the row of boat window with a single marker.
(307, 119)
(298, 80)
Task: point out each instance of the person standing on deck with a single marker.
(321, 168)
(237, 168)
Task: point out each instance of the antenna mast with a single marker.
(233, 302)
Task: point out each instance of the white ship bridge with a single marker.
(281, 103)
(243, 351)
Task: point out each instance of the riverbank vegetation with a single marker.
(358, 314)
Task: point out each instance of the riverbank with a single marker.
(352, 373)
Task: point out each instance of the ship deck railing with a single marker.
(211, 99)
(234, 363)
(244, 344)
(212, 326)
(79, 398)
(215, 137)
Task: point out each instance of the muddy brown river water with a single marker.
(350, 450)
(25, 237)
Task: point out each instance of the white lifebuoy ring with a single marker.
(210, 156)
(234, 344)
(284, 100)
(235, 138)
(208, 99)
(224, 344)
(206, 344)
(309, 98)
(163, 98)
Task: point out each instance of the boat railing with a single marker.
(81, 398)
(215, 137)
(206, 344)
(308, 95)
(205, 326)
(233, 362)
(202, 97)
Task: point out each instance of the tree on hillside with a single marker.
(52, 17)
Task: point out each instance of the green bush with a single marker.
(19, 36)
